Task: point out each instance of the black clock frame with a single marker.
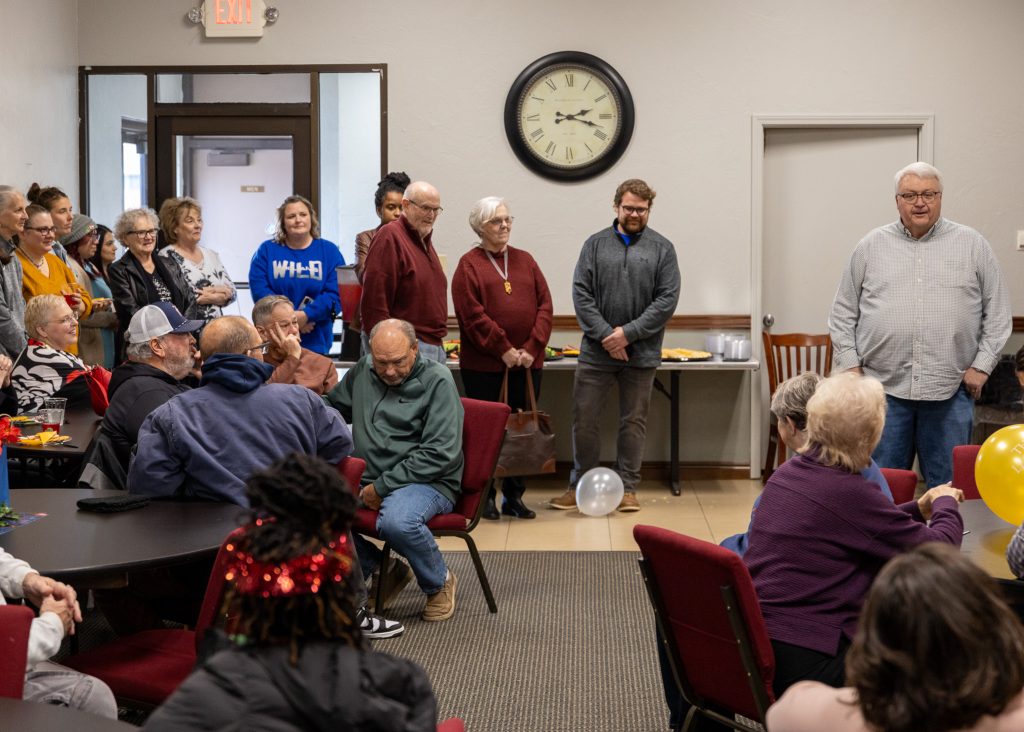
(513, 131)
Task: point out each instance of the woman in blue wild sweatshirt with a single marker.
(300, 265)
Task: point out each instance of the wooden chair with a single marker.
(15, 625)
(785, 356)
(710, 624)
(483, 431)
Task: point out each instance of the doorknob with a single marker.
(768, 320)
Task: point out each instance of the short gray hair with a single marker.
(126, 222)
(791, 397)
(483, 211)
(404, 326)
(265, 306)
(139, 351)
(38, 311)
(921, 170)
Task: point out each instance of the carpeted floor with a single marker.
(571, 648)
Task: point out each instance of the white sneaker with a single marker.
(376, 627)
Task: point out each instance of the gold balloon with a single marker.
(999, 473)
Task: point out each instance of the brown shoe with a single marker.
(565, 502)
(629, 504)
(441, 605)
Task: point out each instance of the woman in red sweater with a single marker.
(504, 310)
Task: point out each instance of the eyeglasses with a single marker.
(635, 210)
(261, 348)
(507, 221)
(67, 319)
(428, 209)
(42, 229)
(143, 233)
(926, 196)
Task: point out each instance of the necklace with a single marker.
(504, 275)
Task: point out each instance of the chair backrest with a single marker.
(483, 431)
(708, 612)
(214, 588)
(902, 484)
(789, 354)
(351, 469)
(964, 457)
(15, 625)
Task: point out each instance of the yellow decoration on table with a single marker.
(43, 438)
(999, 473)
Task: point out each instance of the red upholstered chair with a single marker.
(964, 457)
(351, 469)
(902, 483)
(451, 725)
(15, 625)
(144, 668)
(483, 431)
(711, 625)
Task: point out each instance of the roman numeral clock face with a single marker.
(569, 116)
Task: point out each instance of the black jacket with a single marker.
(135, 390)
(130, 292)
(334, 687)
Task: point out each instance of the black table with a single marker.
(986, 544)
(79, 424)
(24, 716)
(97, 549)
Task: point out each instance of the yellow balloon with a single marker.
(999, 473)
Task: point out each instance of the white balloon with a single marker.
(599, 492)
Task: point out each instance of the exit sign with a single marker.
(234, 18)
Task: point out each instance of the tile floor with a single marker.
(707, 509)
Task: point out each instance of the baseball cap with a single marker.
(159, 319)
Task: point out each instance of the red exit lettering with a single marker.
(232, 12)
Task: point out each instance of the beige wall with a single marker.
(697, 69)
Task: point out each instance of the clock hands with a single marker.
(559, 117)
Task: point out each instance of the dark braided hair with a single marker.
(302, 504)
(396, 181)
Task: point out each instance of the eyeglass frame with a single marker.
(635, 210)
(64, 320)
(429, 209)
(144, 233)
(261, 347)
(41, 229)
(507, 220)
(926, 196)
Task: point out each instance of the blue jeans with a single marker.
(928, 429)
(402, 523)
(591, 390)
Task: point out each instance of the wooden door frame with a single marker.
(924, 124)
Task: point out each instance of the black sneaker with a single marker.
(375, 627)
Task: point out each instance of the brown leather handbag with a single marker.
(529, 446)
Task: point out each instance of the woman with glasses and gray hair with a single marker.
(139, 277)
(504, 310)
(822, 531)
(47, 368)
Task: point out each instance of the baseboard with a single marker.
(659, 470)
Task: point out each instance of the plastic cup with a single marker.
(51, 415)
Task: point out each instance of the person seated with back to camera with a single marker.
(205, 443)
(407, 418)
(47, 682)
(161, 352)
(937, 649)
(291, 656)
(278, 326)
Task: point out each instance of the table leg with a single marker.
(673, 423)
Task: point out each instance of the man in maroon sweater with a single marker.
(403, 277)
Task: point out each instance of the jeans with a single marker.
(928, 429)
(486, 386)
(590, 393)
(51, 683)
(402, 523)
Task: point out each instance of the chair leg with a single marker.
(480, 573)
(773, 448)
(381, 579)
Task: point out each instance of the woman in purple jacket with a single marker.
(822, 532)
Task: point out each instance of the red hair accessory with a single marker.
(301, 575)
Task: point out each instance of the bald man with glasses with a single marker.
(403, 277)
(922, 307)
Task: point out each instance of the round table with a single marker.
(37, 717)
(91, 549)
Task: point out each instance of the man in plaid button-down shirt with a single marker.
(922, 307)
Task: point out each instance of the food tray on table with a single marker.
(553, 354)
(684, 354)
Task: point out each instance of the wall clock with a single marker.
(569, 116)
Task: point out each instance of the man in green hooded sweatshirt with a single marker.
(406, 421)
